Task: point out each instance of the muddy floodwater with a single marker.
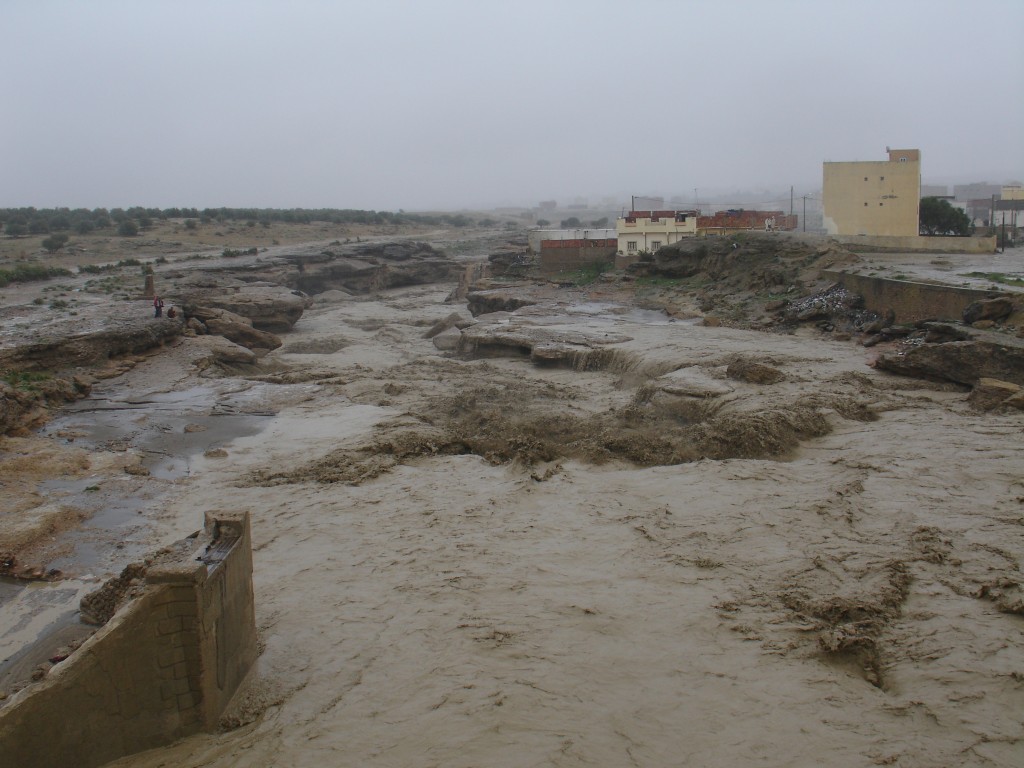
(475, 560)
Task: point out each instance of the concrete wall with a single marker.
(555, 260)
(165, 666)
(918, 244)
(873, 198)
(910, 301)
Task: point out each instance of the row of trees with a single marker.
(18, 222)
(573, 222)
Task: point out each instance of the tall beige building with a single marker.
(874, 197)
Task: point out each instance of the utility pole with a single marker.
(804, 218)
(791, 200)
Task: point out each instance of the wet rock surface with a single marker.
(963, 362)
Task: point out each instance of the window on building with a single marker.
(903, 159)
(865, 205)
(655, 245)
(865, 178)
(881, 178)
(631, 246)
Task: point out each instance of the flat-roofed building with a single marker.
(650, 230)
(879, 198)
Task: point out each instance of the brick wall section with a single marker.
(555, 260)
(163, 667)
(910, 301)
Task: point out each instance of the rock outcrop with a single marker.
(271, 308)
(496, 300)
(234, 328)
(371, 267)
(963, 362)
(996, 309)
(989, 394)
(121, 334)
(25, 401)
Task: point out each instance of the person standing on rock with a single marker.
(158, 306)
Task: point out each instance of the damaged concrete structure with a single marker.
(163, 666)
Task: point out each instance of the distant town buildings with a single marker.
(934, 190)
(650, 230)
(880, 198)
(979, 190)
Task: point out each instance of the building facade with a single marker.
(877, 198)
(649, 230)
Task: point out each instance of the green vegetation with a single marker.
(54, 243)
(25, 273)
(589, 273)
(654, 281)
(231, 252)
(26, 381)
(938, 217)
(18, 222)
(997, 277)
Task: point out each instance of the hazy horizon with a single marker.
(447, 105)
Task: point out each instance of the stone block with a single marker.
(169, 626)
(171, 657)
(182, 609)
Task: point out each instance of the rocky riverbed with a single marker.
(605, 526)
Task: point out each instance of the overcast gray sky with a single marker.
(444, 103)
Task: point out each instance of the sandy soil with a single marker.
(465, 562)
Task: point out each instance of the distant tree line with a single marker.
(19, 222)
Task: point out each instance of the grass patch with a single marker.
(26, 381)
(590, 272)
(654, 281)
(997, 277)
(25, 273)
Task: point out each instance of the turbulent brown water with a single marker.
(466, 562)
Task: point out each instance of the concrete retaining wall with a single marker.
(910, 301)
(165, 666)
(879, 244)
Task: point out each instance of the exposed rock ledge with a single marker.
(271, 308)
(963, 362)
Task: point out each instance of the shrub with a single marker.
(127, 228)
(24, 273)
(54, 243)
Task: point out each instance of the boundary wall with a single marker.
(921, 244)
(563, 258)
(910, 301)
(163, 667)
